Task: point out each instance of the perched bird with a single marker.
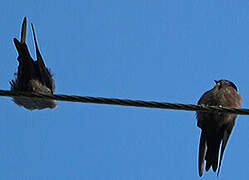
(32, 76)
(216, 126)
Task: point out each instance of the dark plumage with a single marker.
(216, 127)
(32, 76)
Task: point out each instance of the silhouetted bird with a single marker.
(217, 126)
(32, 76)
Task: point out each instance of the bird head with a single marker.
(225, 83)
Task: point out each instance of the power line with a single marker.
(127, 102)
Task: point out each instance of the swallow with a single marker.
(216, 127)
(32, 75)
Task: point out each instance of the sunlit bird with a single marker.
(216, 126)
(32, 76)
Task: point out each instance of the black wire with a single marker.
(127, 102)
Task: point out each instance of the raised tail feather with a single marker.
(21, 46)
(45, 76)
(24, 29)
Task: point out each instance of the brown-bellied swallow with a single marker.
(32, 76)
(216, 127)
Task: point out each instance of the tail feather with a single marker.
(43, 73)
(208, 164)
(210, 152)
(23, 32)
(202, 152)
(215, 161)
(26, 69)
(213, 146)
(209, 149)
(38, 54)
(21, 46)
(224, 143)
(216, 154)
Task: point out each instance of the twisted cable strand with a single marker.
(127, 102)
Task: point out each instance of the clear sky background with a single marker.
(162, 50)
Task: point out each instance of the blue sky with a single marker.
(146, 49)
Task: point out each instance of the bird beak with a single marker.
(215, 81)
